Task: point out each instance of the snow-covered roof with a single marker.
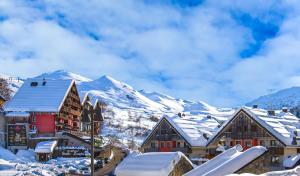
(45, 147)
(194, 128)
(40, 98)
(228, 162)
(290, 161)
(283, 125)
(149, 164)
(17, 114)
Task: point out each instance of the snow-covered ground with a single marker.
(24, 163)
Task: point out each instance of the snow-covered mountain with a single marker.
(284, 98)
(63, 74)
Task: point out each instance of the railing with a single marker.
(151, 150)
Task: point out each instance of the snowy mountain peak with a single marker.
(107, 82)
(63, 74)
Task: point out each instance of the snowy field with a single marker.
(24, 163)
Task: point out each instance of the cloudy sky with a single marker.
(222, 52)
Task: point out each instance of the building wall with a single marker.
(182, 167)
(2, 130)
(290, 151)
(45, 123)
(165, 139)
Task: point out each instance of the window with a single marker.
(262, 143)
(169, 144)
(178, 144)
(248, 144)
(185, 144)
(162, 144)
(152, 144)
(273, 143)
(275, 159)
(237, 142)
(298, 150)
(231, 143)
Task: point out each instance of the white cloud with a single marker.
(190, 53)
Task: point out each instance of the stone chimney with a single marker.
(255, 106)
(285, 109)
(271, 112)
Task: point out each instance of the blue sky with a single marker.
(223, 52)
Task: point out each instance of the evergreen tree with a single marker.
(5, 91)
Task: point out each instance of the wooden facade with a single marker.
(69, 114)
(87, 111)
(165, 138)
(244, 130)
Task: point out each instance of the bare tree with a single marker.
(5, 91)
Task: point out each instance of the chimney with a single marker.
(255, 106)
(180, 114)
(205, 136)
(271, 112)
(285, 109)
(44, 81)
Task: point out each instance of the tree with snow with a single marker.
(5, 91)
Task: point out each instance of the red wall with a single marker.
(45, 123)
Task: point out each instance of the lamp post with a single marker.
(92, 143)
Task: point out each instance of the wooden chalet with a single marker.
(187, 134)
(88, 110)
(278, 131)
(41, 108)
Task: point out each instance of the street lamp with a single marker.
(92, 143)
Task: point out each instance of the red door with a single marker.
(45, 123)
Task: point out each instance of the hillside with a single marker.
(284, 98)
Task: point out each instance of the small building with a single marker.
(278, 131)
(156, 163)
(44, 150)
(187, 134)
(233, 160)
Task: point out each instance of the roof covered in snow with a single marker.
(283, 125)
(228, 162)
(17, 114)
(149, 164)
(290, 161)
(45, 147)
(197, 129)
(34, 96)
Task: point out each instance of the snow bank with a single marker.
(26, 155)
(149, 164)
(228, 162)
(292, 172)
(45, 147)
(7, 155)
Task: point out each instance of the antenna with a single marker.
(270, 91)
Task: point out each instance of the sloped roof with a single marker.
(149, 164)
(284, 125)
(45, 147)
(228, 162)
(40, 98)
(196, 129)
